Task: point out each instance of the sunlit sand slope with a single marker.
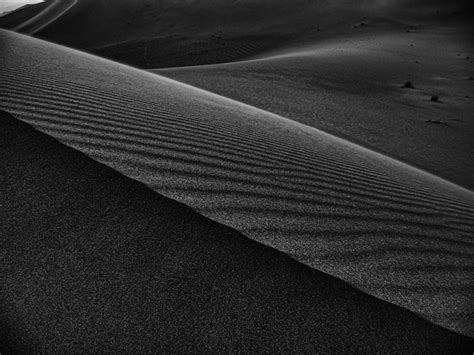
(394, 231)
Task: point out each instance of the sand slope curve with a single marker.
(165, 278)
(392, 230)
(351, 86)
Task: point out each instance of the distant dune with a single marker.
(16, 17)
(50, 12)
(148, 33)
(95, 262)
(152, 34)
(397, 232)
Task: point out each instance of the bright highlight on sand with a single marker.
(10, 5)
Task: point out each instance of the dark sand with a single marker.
(151, 34)
(351, 87)
(50, 12)
(394, 231)
(21, 15)
(94, 261)
(147, 33)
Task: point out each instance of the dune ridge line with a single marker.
(328, 203)
(170, 278)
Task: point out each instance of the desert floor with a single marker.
(304, 180)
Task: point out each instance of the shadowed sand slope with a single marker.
(94, 261)
(351, 87)
(394, 231)
(20, 15)
(148, 33)
(51, 12)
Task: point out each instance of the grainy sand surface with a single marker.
(94, 261)
(392, 230)
(351, 86)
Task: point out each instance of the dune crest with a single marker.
(392, 230)
(164, 278)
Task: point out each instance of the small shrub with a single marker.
(434, 98)
(408, 85)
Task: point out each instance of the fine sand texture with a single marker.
(335, 65)
(353, 87)
(392, 230)
(93, 261)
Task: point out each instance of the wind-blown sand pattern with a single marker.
(100, 263)
(351, 86)
(391, 230)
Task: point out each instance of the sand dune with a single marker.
(11, 19)
(164, 278)
(51, 12)
(351, 86)
(390, 229)
(151, 34)
(346, 76)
